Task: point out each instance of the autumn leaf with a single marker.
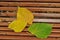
(27, 14)
(24, 17)
(40, 30)
(18, 25)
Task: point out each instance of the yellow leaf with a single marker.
(24, 17)
(26, 14)
(18, 25)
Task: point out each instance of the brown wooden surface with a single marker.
(43, 10)
(32, 0)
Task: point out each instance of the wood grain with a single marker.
(43, 11)
(35, 20)
(27, 34)
(33, 9)
(26, 30)
(29, 4)
(32, 0)
(13, 14)
(24, 38)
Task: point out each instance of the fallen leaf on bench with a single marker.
(26, 14)
(24, 17)
(40, 30)
(18, 25)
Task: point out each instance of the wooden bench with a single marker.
(47, 11)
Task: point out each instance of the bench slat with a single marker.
(53, 15)
(33, 9)
(25, 34)
(40, 8)
(26, 29)
(35, 20)
(23, 38)
(29, 4)
(32, 0)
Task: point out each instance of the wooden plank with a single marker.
(30, 4)
(4, 24)
(58, 38)
(6, 19)
(15, 33)
(33, 9)
(5, 28)
(24, 38)
(26, 30)
(54, 15)
(35, 20)
(25, 34)
(56, 25)
(12, 14)
(33, 0)
(6, 33)
(8, 8)
(56, 30)
(49, 39)
(47, 20)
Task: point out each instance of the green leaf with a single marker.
(40, 30)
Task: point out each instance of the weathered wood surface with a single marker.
(29, 4)
(31, 0)
(44, 11)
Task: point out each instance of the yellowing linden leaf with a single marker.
(18, 25)
(26, 14)
(40, 30)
